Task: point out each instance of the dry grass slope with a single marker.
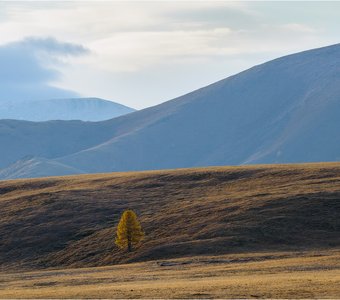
(69, 221)
(265, 275)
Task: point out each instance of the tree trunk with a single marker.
(129, 246)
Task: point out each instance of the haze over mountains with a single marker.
(85, 109)
(283, 111)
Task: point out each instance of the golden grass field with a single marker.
(260, 275)
(239, 232)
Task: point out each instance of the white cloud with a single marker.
(132, 51)
(129, 40)
(299, 28)
(27, 68)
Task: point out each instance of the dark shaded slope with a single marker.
(69, 221)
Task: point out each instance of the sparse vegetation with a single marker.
(247, 232)
(129, 231)
(302, 274)
(70, 221)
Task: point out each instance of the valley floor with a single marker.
(310, 274)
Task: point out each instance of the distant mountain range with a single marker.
(283, 111)
(85, 109)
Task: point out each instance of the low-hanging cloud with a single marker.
(28, 67)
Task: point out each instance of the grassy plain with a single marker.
(255, 275)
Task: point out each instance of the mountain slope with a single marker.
(271, 113)
(86, 109)
(71, 221)
(48, 139)
(285, 110)
(31, 167)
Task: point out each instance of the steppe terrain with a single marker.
(251, 231)
(260, 275)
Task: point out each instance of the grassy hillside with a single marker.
(69, 221)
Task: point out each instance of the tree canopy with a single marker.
(129, 231)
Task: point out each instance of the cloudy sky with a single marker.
(144, 53)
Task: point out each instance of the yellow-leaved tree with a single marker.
(129, 231)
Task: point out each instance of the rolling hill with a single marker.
(284, 111)
(48, 139)
(70, 221)
(85, 109)
(30, 167)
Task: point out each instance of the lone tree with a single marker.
(129, 231)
